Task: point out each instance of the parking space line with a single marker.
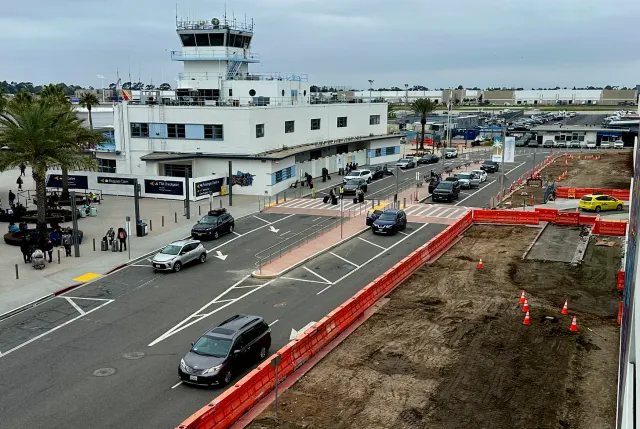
(316, 219)
(239, 235)
(263, 220)
(141, 265)
(249, 232)
(274, 322)
(376, 256)
(177, 384)
(403, 233)
(247, 287)
(74, 305)
(317, 275)
(373, 244)
(303, 280)
(344, 259)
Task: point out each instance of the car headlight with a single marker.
(388, 226)
(212, 370)
(184, 366)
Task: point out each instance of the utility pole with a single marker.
(504, 143)
(230, 183)
(74, 225)
(395, 196)
(187, 205)
(406, 94)
(370, 88)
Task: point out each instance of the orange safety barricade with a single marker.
(610, 227)
(562, 192)
(620, 282)
(620, 311)
(621, 194)
(506, 216)
(567, 218)
(547, 215)
(586, 220)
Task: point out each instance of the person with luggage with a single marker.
(111, 236)
(48, 247)
(360, 195)
(122, 238)
(25, 248)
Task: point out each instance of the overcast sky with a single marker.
(521, 43)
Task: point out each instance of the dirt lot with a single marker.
(613, 170)
(449, 349)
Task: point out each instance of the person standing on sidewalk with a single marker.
(22, 169)
(122, 238)
(48, 247)
(341, 192)
(19, 183)
(12, 198)
(66, 242)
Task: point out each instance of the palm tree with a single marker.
(88, 100)
(54, 93)
(39, 134)
(422, 107)
(23, 97)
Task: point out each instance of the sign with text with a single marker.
(163, 187)
(510, 149)
(212, 186)
(116, 180)
(75, 181)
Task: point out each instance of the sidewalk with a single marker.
(33, 285)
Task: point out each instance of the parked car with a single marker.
(214, 224)
(390, 222)
(451, 152)
(574, 144)
(428, 159)
(561, 143)
(226, 350)
(405, 163)
(490, 166)
(482, 175)
(604, 145)
(177, 254)
(548, 143)
(358, 174)
(618, 144)
(598, 203)
(380, 172)
(446, 191)
(372, 215)
(591, 145)
(403, 140)
(468, 180)
(532, 143)
(352, 186)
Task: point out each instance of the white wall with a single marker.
(560, 94)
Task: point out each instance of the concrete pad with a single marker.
(558, 243)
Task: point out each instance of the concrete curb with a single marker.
(257, 275)
(526, 252)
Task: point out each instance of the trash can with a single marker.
(93, 212)
(141, 229)
(83, 213)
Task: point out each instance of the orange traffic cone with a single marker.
(565, 309)
(574, 325)
(480, 264)
(523, 297)
(525, 307)
(527, 319)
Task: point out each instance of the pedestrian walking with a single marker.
(341, 192)
(19, 182)
(12, 198)
(25, 248)
(122, 238)
(66, 242)
(22, 169)
(48, 247)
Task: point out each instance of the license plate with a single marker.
(193, 377)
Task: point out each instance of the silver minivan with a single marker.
(177, 254)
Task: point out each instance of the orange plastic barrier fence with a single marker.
(567, 218)
(547, 215)
(586, 220)
(620, 311)
(506, 216)
(610, 227)
(620, 283)
(239, 398)
(621, 194)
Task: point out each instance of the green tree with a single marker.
(23, 97)
(88, 100)
(40, 134)
(422, 107)
(54, 93)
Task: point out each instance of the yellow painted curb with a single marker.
(87, 277)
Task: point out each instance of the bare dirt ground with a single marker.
(612, 171)
(449, 349)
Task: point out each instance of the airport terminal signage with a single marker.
(75, 181)
(213, 186)
(163, 187)
(116, 180)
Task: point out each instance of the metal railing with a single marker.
(214, 56)
(257, 101)
(276, 76)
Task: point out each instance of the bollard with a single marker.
(150, 225)
(175, 217)
(372, 204)
(404, 202)
(276, 199)
(269, 200)
(220, 203)
(163, 221)
(285, 195)
(17, 277)
(94, 244)
(58, 256)
(199, 211)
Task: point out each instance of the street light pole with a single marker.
(504, 143)
(370, 88)
(406, 94)
(395, 197)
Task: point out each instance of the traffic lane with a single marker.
(287, 304)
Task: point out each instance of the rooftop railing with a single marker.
(214, 56)
(240, 101)
(290, 77)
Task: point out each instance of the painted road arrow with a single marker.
(272, 229)
(294, 334)
(219, 255)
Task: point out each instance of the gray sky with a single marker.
(522, 43)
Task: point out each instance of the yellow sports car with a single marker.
(598, 203)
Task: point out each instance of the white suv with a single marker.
(358, 174)
(604, 145)
(618, 144)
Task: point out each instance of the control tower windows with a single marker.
(216, 39)
(238, 41)
(188, 40)
(202, 39)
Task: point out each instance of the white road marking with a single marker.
(344, 259)
(74, 305)
(320, 217)
(249, 232)
(285, 233)
(317, 275)
(403, 233)
(177, 384)
(239, 235)
(302, 280)
(373, 244)
(376, 256)
(465, 199)
(263, 220)
(274, 322)
(247, 287)
(141, 265)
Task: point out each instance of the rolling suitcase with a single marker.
(334, 201)
(328, 177)
(325, 199)
(355, 200)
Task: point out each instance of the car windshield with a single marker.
(489, 163)
(586, 198)
(354, 173)
(377, 212)
(464, 176)
(445, 185)
(208, 220)
(387, 216)
(354, 182)
(212, 346)
(171, 250)
(478, 172)
(404, 160)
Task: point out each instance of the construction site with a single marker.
(452, 346)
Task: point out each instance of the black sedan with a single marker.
(428, 159)
(214, 224)
(380, 173)
(352, 186)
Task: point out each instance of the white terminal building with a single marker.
(268, 125)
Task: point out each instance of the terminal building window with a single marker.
(177, 170)
(289, 126)
(106, 165)
(284, 174)
(176, 131)
(139, 130)
(374, 120)
(342, 121)
(315, 124)
(213, 132)
(259, 131)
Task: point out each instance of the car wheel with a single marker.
(203, 258)
(227, 377)
(177, 267)
(263, 352)
(619, 208)
(598, 209)
(216, 235)
(404, 226)
(231, 228)
(369, 180)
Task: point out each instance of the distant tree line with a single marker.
(70, 90)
